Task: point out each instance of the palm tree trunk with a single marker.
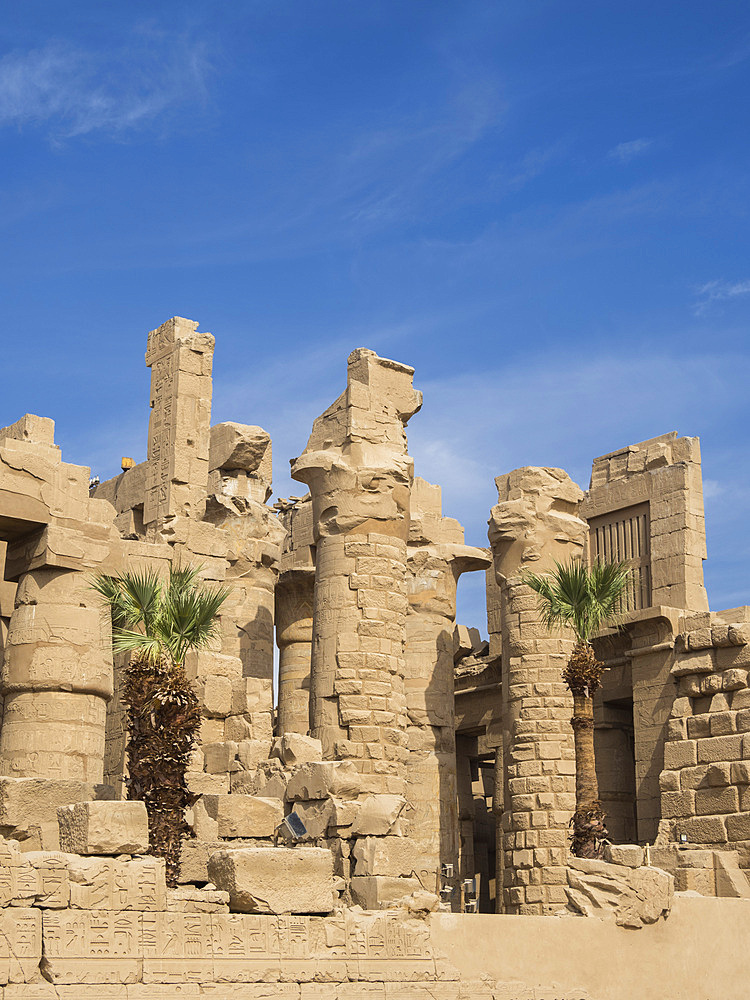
(588, 820)
(163, 720)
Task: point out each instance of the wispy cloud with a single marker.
(70, 91)
(624, 152)
(719, 291)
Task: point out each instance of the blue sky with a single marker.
(542, 206)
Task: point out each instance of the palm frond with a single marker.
(578, 597)
(153, 617)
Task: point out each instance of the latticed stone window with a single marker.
(625, 535)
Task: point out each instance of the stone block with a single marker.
(379, 892)
(693, 777)
(54, 880)
(220, 758)
(395, 856)
(679, 754)
(91, 947)
(722, 723)
(675, 804)
(244, 815)
(629, 855)
(715, 801)
(114, 884)
(275, 880)
(701, 880)
(249, 694)
(316, 816)
(205, 825)
(104, 828)
(704, 829)
(343, 815)
(319, 780)
(719, 748)
(268, 779)
(250, 753)
(20, 944)
(26, 803)
(379, 815)
(207, 663)
(734, 679)
(631, 897)
(292, 748)
(202, 783)
(195, 854)
(238, 447)
(20, 882)
(738, 827)
(699, 727)
(214, 692)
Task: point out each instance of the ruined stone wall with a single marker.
(705, 784)
(645, 505)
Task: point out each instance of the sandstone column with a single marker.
(57, 662)
(180, 360)
(295, 597)
(57, 678)
(437, 556)
(535, 523)
(360, 475)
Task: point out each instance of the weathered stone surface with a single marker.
(250, 753)
(377, 892)
(104, 828)
(275, 880)
(396, 856)
(316, 815)
(189, 899)
(378, 815)
(244, 815)
(318, 780)
(113, 884)
(293, 748)
(195, 854)
(631, 897)
(238, 446)
(630, 855)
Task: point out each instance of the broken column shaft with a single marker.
(360, 475)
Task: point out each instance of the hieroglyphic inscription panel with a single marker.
(180, 360)
(108, 946)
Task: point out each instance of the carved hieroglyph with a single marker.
(360, 475)
(534, 524)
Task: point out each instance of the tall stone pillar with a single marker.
(57, 679)
(359, 474)
(240, 484)
(535, 523)
(180, 360)
(295, 597)
(437, 556)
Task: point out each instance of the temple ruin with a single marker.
(432, 769)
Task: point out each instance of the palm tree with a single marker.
(158, 623)
(585, 600)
